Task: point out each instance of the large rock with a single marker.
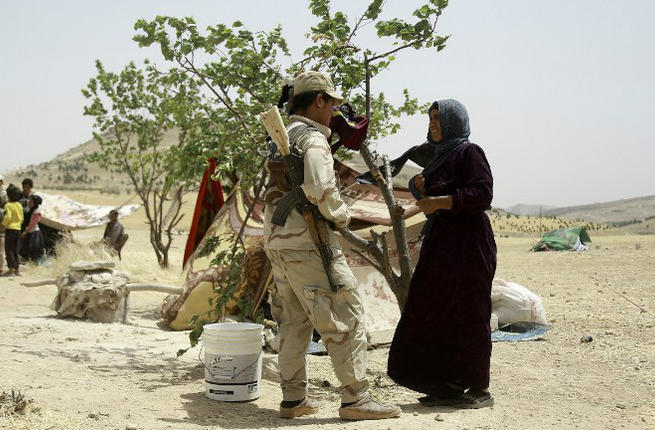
(88, 266)
(93, 291)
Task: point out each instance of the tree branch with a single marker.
(226, 103)
(407, 45)
(369, 261)
(399, 231)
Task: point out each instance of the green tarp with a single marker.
(563, 239)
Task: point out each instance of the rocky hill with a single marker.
(636, 215)
(72, 170)
(615, 212)
(526, 209)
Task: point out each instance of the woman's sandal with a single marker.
(445, 397)
(432, 401)
(474, 399)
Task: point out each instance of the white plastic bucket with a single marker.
(233, 361)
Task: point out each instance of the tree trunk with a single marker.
(377, 248)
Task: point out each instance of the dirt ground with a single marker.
(84, 375)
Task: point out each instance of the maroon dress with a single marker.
(444, 335)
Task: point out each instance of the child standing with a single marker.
(12, 222)
(32, 235)
(3, 201)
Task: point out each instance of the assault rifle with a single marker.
(316, 223)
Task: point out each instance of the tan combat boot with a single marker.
(368, 409)
(306, 407)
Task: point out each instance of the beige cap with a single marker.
(315, 81)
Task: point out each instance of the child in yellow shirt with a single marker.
(12, 221)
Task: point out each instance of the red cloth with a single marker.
(36, 218)
(350, 127)
(209, 202)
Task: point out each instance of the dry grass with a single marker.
(139, 259)
(69, 252)
(14, 403)
(18, 412)
(46, 420)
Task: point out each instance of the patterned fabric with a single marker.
(61, 213)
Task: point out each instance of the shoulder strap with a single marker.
(296, 132)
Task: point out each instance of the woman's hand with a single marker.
(23, 234)
(430, 205)
(419, 182)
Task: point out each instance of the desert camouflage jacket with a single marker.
(320, 187)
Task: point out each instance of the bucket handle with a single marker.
(202, 347)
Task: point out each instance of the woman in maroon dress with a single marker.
(442, 345)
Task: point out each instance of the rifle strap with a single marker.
(291, 199)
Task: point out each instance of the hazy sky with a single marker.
(560, 93)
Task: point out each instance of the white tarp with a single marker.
(512, 303)
(62, 213)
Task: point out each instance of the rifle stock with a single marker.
(275, 127)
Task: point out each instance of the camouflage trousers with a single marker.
(302, 298)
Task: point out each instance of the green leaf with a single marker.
(374, 9)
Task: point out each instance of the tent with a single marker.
(61, 213)
(368, 211)
(564, 239)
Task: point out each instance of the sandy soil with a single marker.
(85, 375)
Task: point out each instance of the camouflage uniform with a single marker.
(301, 297)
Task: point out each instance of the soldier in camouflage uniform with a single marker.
(302, 297)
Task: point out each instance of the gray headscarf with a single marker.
(454, 121)
(455, 130)
(431, 155)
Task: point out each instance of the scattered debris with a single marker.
(586, 339)
(13, 403)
